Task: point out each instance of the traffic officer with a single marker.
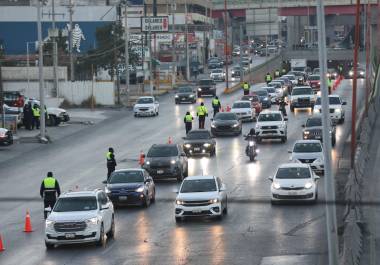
(188, 120)
(202, 113)
(277, 73)
(340, 69)
(216, 105)
(111, 162)
(36, 116)
(329, 84)
(246, 88)
(283, 71)
(268, 78)
(49, 191)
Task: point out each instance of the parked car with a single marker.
(199, 142)
(6, 137)
(131, 187)
(55, 115)
(14, 99)
(146, 106)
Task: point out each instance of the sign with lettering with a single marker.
(155, 24)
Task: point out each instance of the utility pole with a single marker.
(174, 61)
(331, 223)
(150, 59)
(126, 51)
(226, 41)
(2, 92)
(40, 72)
(71, 11)
(187, 44)
(368, 53)
(241, 54)
(55, 51)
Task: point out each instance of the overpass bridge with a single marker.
(312, 54)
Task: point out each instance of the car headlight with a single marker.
(49, 224)
(281, 126)
(213, 125)
(176, 96)
(232, 72)
(235, 125)
(362, 73)
(319, 160)
(187, 145)
(191, 96)
(251, 143)
(92, 221)
(266, 98)
(107, 190)
(306, 132)
(214, 201)
(173, 162)
(140, 189)
(319, 83)
(147, 162)
(337, 110)
(308, 185)
(206, 145)
(276, 185)
(257, 127)
(178, 202)
(316, 110)
(351, 73)
(199, 89)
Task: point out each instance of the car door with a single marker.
(105, 210)
(222, 192)
(148, 184)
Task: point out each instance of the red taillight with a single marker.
(20, 102)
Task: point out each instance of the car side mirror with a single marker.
(156, 102)
(270, 178)
(105, 207)
(344, 103)
(211, 119)
(303, 125)
(183, 154)
(290, 151)
(175, 191)
(184, 138)
(285, 118)
(316, 177)
(223, 188)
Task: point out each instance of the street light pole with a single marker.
(40, 72)
(187, 44)
(226, 41)
(173, 9)
(332, 236)
(55, 52)
(241, 54)
(71, 11)
(126, 51)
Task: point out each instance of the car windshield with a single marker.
(225, 116)
(217, 71)
(127, 177)
(307, 148)
(262, 93)
(76, 204)
(251, 98)
(293, 173)
(198, 185)
(274, 84)
(314, 77)
(314, 122)
(290, 77)
(299, 69)
(213, 60)
(332, 101)
(192, 135)
(236, 69)
(245, 62)
(241, 105)
(302, 91)
(270, 117)
(162, 151)
(316, 71)
(145, 100)
(185, 90)
(271, 90)
(205, 82)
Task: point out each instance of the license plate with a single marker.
(197, 149)
(70, 235)
(123, 198)
(160, 171)
(183, 98)
(292, 193)
(197, 211)
(318, 137)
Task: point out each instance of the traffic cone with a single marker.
(228, 108)
(1, 244)
(170, 140)
(28, 224)
(222, 109)
(142, 158)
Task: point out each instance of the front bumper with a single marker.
(149, 112)
(90, 234)
(226, 131)
(184, 99)
(293, 195)
(127, 198)
(214, 209)
(197, 150)
(302, 104)
(163, 172)
(271, 133)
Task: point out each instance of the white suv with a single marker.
(146, 106)
(80, 217)
(201, 196)
(337, 112)
(302, 97)
(309, 152)
(271, 125)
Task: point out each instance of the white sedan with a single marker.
(294, 182)
(309, 152)
(243, 109)
(146, 106)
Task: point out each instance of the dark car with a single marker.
(14, 99)
(264, 98)
(206, 87)
(315, 82)
(199, 142)
(214, 63)
(226, 123)
(185, 94)
(131, 187)
(361, 73)
(166, 161)
(313, 129)
(6, 137)
(235, 72)
(332, 73)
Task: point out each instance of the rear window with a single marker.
(314, 122)
(271, 90)
(262, 93)
(270, 117)
(127, 177)
(241, 105)
(293, 173)
(163, 151)
(225, 116)
(307, 148)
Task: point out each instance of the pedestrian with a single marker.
(340, 70)
(202, 113)
(111, 162)
(49, 191)
(216, 105)
(28, 116)
(283, 71)
(36, 116)
(329, 84)
(246, 88)
(268, 78)
(188, 120)
(277, 73)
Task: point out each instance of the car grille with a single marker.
(206, 212)
(332, 110)
(143, 109)
(70, 226)
(316, 133)
(307, 160)
(293, 197)
(155, 166)
(269, 132)
(196, 203)
(292, 188)
(303, 100)
(224, 127)
(269, 127)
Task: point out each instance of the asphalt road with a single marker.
(253, 232)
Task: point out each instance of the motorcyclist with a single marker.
(281, 106)
(251, 136)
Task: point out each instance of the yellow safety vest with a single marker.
(108, 155)
(215, 102)
(36, 112)
(188, 118)
(49, 183)
(201, 110)
(277, 73)
(245, 86)
(268, 78)
(283, 70)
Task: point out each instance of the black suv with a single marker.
(313, 129)
(206, 87)
(166, 161)
(199, 142)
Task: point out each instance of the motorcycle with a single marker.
(281, 107)
(251, 149)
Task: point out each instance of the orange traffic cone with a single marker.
(28, 224)
(228, 108)
(170, 140)
(222, 109)
(1, 244)
(142, 158)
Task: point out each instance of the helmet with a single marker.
(110, 149)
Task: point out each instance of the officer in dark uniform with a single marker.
(49, 191)
(111, 162)
(188, 120)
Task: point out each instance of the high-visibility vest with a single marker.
(201, 111)
(268, 78)
(283, 70)
(329, 82)
(215, 102)
(36, 112)
(188, 118)
(108, 155)
(49, 183)
(277, 73)
(245, 86)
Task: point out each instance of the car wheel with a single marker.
(186, 172)
(219, 217)
(146, 202)
(273, 202)
(341, 121)
(111, 233)
(333, 141)
(180, 177)
(283, 139)
(199, 95)
(51, 120)
(213, 152)
(100, 241)
(135, 115)
(178, 219)
(225, 210)
(153, 199)
(49, 246)
(291, 108)
(176, 102)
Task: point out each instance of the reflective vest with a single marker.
(49, 183)
(108, 155)
(277, 73)
(329, 82)
(283, 70)
(36, 112)
(245, 86)
(188, 118)
(215, 102)
(201, 111)
(268, 78)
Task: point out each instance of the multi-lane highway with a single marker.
(253, 232)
